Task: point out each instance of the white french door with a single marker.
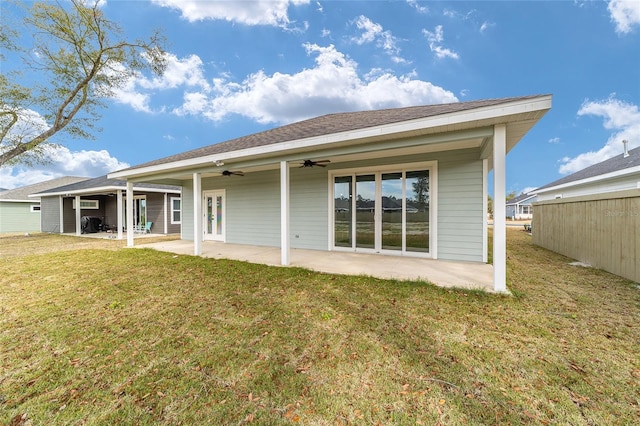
(385, 210)
(214, 215)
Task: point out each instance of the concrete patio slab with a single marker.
(469, 275)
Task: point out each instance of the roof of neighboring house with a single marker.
(591, 173)
(331, 124)
(22, 193)
(520, 198)
(103, 183)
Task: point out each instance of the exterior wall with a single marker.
(601, 230)
(18, 217)
(158, 214)
(253, 204)
(611, 185)
(172, 228)
(69, 213)
(50, 214)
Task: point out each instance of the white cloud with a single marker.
(554, 140)
(63, 163)
(417, 6)
(622, 118)
(486, 25)
(259, 12)
(373, 32)
(333, 84)
(180, 72)
(625, 14)
(435, 43)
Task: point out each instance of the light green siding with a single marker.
(18, 217)
(253, 204)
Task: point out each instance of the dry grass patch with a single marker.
(143, 337)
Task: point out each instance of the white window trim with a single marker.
(432, 166)
(171, 210)
(87, 204)
(35, 208)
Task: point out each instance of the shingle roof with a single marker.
(520, 198)
(331, 124)
(105, 182)
(617, 163)
(23, 192)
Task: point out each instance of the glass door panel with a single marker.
(392, 211)
(214, 215)
(417, 227)
(365, 211)
(342, 193)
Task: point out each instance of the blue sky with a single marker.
(239, 67)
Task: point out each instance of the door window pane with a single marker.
(219, 215)
(365, 211)
(418, 211)
(342, 211)
(209, 215)
(392, 211)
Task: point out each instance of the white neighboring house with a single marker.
(619, 173)
(520, 207)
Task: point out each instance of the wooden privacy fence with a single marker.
(602, 230)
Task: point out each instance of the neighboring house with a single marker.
(105, 199)
(405, 181)
(21, 213)
(619, 173)
(594, 215)
(520, 207)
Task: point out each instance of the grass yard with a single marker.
(97, 334)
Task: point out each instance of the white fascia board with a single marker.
(19, 201)
(98, 190)
(541, 103)
(594, 179)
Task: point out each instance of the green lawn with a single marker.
(134, 336)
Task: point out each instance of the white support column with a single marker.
(499, 208)
(485, 210)
(78, 216)
(119, 207)
(129, 214)
(284, 213)
(61, 214)
(197, 214)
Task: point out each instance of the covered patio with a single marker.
(467, 275)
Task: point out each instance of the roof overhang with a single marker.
(104, 190)
(457, 130)
(594, 179)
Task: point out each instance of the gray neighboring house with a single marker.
(520, 207)
(321, 183)
(105, 199)
(619, 173)
(21, 213)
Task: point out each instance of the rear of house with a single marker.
(398, 182)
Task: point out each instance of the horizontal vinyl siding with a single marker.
(253, 207)
(619, 184)
(460, 215)
(186, 230)
(309, 208)
(50, 214)
(18, 217)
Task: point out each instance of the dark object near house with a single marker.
(90, 224)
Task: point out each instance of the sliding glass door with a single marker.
(383, 211)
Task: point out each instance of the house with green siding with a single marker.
(407, 181)
(21, 213)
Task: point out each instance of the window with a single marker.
(175, 210)
(87, 204)
(35, 209)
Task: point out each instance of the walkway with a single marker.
(469, 275)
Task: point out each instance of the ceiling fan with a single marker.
(230, 173)
(311, 163)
